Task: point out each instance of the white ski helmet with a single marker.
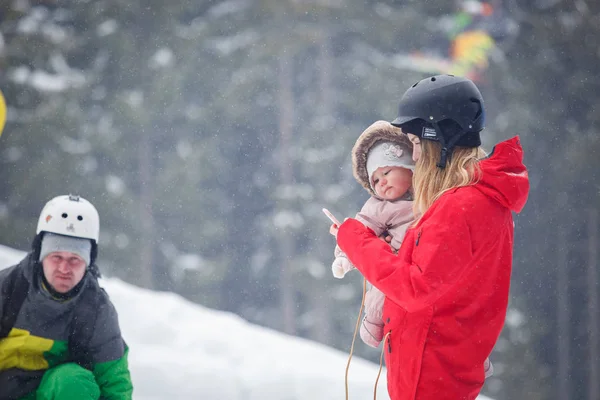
(70, 216)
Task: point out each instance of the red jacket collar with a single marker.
(504, 176)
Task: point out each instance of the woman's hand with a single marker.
(333, 229)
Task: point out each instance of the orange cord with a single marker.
(385, 338)
(362, 303)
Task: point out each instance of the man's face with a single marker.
(63, 270)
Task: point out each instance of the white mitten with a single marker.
(341, 266)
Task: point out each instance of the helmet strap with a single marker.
(93, 268)
(447, 148)
(36, 246)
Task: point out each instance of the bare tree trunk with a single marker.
(562, 310)
(322, 330)
(594, 376)
(325, 66)
(146, 214)
(286, 115)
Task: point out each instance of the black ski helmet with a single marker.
(444, 108)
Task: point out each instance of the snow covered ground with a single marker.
(180, 350)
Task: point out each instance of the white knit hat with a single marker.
(386, 154)
(52, 242)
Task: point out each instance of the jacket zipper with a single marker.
(418, 238)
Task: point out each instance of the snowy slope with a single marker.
(180, 350)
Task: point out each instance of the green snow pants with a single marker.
(66, 382)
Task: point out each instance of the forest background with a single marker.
(209, 134)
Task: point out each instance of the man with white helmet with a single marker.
(59, 332)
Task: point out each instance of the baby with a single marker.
(382, 163)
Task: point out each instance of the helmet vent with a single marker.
(79, 218)
(433, 79)
(65, 215)
(415, 84)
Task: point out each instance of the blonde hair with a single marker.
(430, 181)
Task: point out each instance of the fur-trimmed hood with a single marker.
(379, 131)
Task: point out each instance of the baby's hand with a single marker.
(386, 236)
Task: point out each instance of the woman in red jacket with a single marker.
(447, 288)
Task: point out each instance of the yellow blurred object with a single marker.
(472, 48)
(2, 112)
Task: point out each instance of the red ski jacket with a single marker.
(447, 288)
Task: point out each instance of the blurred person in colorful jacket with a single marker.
(59, 332)
(446, 290)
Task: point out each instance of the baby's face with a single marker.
(391, 183)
